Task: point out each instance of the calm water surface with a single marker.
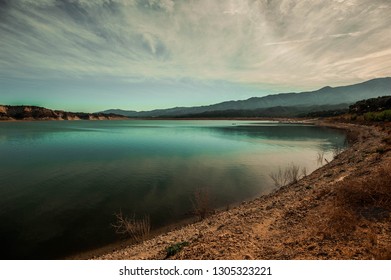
(61, 182)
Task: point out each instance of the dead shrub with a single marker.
(304, 172)
(337, 150)
(293, 172)
(201, 203)
(136, 229)
(279, 178)
(289, 175)
(320, 158)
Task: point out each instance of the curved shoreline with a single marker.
(283, 224)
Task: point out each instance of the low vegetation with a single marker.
(337, 150)
(136, 229)
(378, 116)
(367, 196)
(370, 110)
(361, 202)
(175, 248)
(378, 104)
(289, 175)
(201, 203)
(320, 158)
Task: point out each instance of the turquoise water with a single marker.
(61, 182)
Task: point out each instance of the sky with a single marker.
(92, 55)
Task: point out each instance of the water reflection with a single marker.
(63, 181)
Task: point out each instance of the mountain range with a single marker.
(283, 104)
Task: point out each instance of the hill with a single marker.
(272, 112)
(40, 113)
(324, 96)
(371, 105)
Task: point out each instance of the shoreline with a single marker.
(283, 224)
(274, 119)
(62, 120)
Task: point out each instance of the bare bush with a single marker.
(320, 158)
(201, 203)
(279, 178)
(337, 150)
(289, 175)
(304, 172)
(292, 172)
(136, 229)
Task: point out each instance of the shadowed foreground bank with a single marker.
(340, 211)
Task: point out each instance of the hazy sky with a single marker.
(90, 55)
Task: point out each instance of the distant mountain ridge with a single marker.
(272, 112)
(25, 112)
(324, 96)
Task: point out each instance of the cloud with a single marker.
(36, 3)
(283, 42)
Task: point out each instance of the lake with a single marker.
(62, 181)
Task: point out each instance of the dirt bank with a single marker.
(311, 219)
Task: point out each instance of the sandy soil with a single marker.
(289, 223)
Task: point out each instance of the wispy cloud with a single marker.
(283, 42)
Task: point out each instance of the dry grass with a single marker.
(363, 195)
(361, 203)
(340, 224)
(382, 252)
(136, 229)
(352, 136)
